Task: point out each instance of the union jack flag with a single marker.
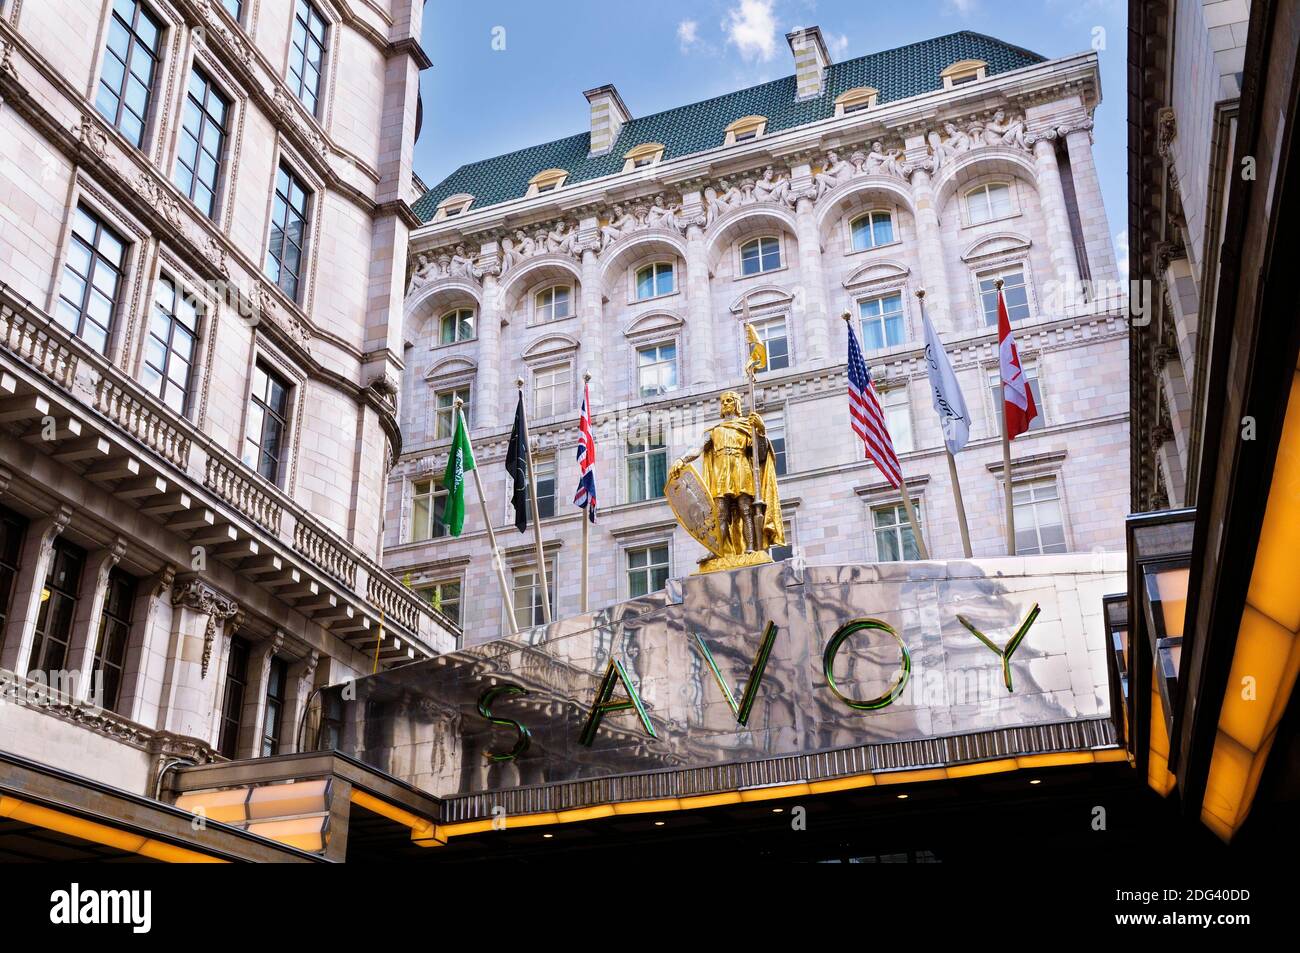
(586, 495)
(866, 417)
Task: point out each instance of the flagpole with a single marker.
(1006, 451)
(952, 467)
(586, 512)
(921, 549)
(758, 504)
(492, 536)
(537, 520)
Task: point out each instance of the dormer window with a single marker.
(643, 156)
(453, 206)
(856, 100)
(547, 181)
(963, 73)
(743, 130)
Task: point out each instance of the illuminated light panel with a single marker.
(421, 828)
(982, 767)
(283, 800)
(1267, 649)
(230, 806)
(305, 833)
(95, 833)
(1158, 776)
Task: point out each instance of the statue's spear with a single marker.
(757, 361)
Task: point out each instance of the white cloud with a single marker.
(962, 7)
(751, 28)
(688, 34)
(836, 44)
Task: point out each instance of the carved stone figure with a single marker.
(878, 160)
(1000, 131)
(461, 264)
(425, 271)
(832, 174)
(620, 223)
(772, 188)
(660, 215)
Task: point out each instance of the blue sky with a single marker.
(480, 101)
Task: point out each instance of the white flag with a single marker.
(949, 404)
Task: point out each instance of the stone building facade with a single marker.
(204, 211)
(634, 252)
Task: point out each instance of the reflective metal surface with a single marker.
(422, 723)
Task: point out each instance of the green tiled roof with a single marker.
(897, 74)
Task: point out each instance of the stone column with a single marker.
(33, 565)
(252, 719)
(699, 295)
(145, 652)
(487, 385)
(192, 689)
(816, 320)
(1092, 213)
(934, 275)
(593, 317)
(302, 676)
(88, 620)
(1047, 174)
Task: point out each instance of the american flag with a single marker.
(586, 495)
(866, 417)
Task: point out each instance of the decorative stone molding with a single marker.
(1059, 131)
(997, 130)
(159, 198)
(1166, 131)
(91, 136)
(769, 186)
(625, 219)
(197, 595)
(218, 24)
(165, 746)
(876, 160)
(288, 110)
(7, 61)
(1167, 252)
(166, 576)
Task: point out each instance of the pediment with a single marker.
(1001, 243)
(550, 345)
(451, 367)
(766, 298)
(653, 323)
(873, 272)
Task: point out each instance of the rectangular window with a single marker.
(203, 142)
(898, 417)
(58, 609)
(444, 422)
(528, 595)
(781, 553)
(268, 424)
(12, 529)
(760, 255)
(284, 256)
(428, 500)
(232, 700)
(552, 304)
(444, 596)
(235, 8)
(92, 276)
(277, 682)
(114, 632)
(545, 491)
(647, 570)
(130, 62)
(307, 58)
(1037, 507)
(775, 424)
(169, 347)
(656, 369)
(895, 540)
(882, 321)
(1013, 289)
(647, 469)
(772, 332)
(1030, 369)
(552, 390)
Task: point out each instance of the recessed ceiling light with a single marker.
(902, 797)
(548, 836)
(778, 810)
(1036, 781)
(659, 823)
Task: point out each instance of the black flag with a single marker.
(517, 467)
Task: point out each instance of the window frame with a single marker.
(651, 443)
(628, 569)
(161, 25)
(11, 562)
(655, 277)
(657, 345)
(856, 100)
(465, 387)
(992, 273)
(54, 629)
(775, 420)
(101, 228)
(1013, 205)
(893, 400)
(1028, 481)
(459, 322)
(552, 289)
(428, 590)
(745, 129)
(758, 240)
(436, 492)
(761, 325)
(643, 156)
(993, 378)
(559, 388)
(231, 724)
(179, 293)
(285, 417)
(901, 525)
(297, 58)
(274, 708)
(963, 73)
(292, 180)
(881, 295)
(871, 214)
(547, 181)
(206, 118)
(453, 206)
(534, 589)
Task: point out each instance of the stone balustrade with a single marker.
(233, 485)
(32, 338)
(324, 553)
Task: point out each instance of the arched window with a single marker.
(989, 202)
(873, 229)
(456, 326)
(743, 130)
(856, 100)
(547, 181)
(643, 155)
(655, 280)
(760, 255)
(554, 303)
(452, 206)
(963, 72)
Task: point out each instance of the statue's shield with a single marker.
(695, 508)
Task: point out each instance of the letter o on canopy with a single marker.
(839, 638)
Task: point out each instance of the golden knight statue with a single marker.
(719, 507)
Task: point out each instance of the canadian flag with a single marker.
(1017, 399)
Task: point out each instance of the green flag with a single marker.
(459, 463)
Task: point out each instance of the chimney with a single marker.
(810, 61)
(607, 117)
